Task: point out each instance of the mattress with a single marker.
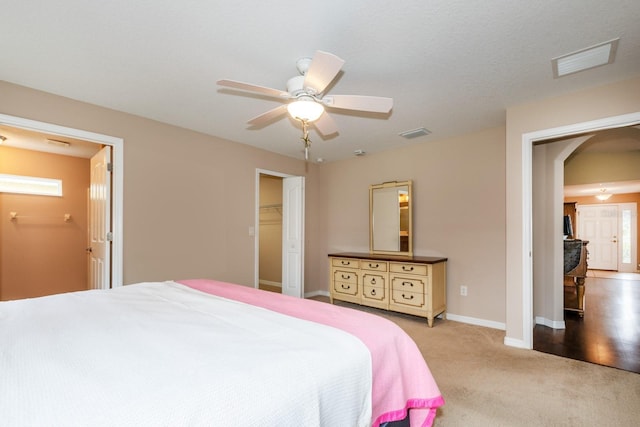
(166, 354)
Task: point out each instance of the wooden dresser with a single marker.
(412, 285)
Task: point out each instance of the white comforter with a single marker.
(162, 354)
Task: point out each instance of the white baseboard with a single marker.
(316, 294)
(555, 324)
(478, 322)
(511, 342)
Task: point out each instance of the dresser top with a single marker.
(382, 257)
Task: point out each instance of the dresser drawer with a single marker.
(375, 289)
(345, 262)
(345, 282)
(375, 280)
(406, 298)
(376, 293)
(407, 268)
(407, 284)
(373, 265)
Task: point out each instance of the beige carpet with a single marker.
(485, 383)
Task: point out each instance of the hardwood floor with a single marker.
(609, 333)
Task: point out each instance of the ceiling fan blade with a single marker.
(323, 69)
(373, 104)
(325, 125)
(254, 88)
(265, 118)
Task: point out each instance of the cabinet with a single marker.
(406, 284)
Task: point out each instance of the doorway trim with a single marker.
(118, 178)
(528, 139)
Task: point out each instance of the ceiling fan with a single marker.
(306, 99)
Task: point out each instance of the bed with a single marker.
(204, 352)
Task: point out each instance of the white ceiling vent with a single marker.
(414, 133)
(58, 143)
(591, 57)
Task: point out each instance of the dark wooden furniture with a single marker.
(575, 269)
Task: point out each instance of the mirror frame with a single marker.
(386, 185)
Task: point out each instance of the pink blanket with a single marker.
(401, 378)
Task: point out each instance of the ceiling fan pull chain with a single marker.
(305, 139)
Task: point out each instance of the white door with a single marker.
(293, 236)
(100, 221)
(599, 225)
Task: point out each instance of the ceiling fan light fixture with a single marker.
(305, 109)
(603, 195)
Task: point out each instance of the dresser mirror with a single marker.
(390, 220)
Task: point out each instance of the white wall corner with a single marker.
(555, 324)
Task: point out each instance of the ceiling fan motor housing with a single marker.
(295, 86)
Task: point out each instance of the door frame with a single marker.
(118, 178)
(256, 227)
(528, 140)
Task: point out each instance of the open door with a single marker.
(293, 236)
(99, 249)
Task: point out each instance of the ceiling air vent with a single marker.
(591, 57)
(414, 133)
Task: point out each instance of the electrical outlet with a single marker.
(463, 291)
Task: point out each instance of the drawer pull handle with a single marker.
(410, 297)
(346, 262)
(373, 281)
(374, 266)
(347, 277)
(404, 268)
(407, 284)
(345, 287)
(373, 291)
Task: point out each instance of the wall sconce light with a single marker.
(603, 195)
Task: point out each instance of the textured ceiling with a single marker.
(452, 66)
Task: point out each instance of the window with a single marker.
(626, 236)
(30, 185)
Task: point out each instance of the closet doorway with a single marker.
(269, 234)
(279, 233)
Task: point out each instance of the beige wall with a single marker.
(587, 105)
(588, 168)
(188, 199)
(41, 253)
(458, 211)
